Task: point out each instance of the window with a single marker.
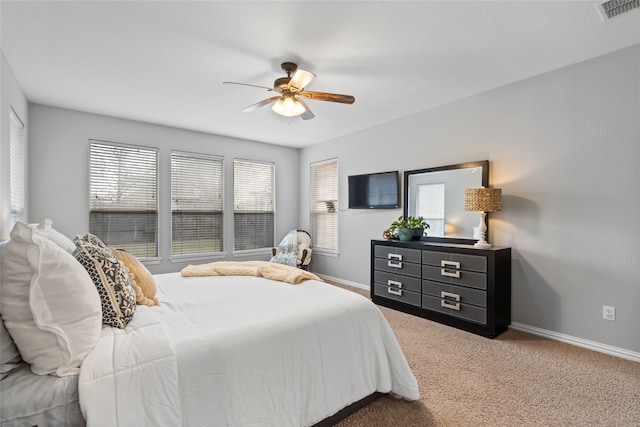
(196, 203)
(17, 187)
(124, 203)
(430, 205)
(253, 205)
(324, 205)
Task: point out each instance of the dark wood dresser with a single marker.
(453, 284)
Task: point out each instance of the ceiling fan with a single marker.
(289, 101)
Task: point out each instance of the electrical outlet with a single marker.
(609, 313)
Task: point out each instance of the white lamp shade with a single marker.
(288, 106)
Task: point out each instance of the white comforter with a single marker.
(242, 351)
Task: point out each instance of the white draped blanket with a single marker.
(130, 378)
(242, 351)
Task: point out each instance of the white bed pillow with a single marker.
(49, 304)
(46, 229)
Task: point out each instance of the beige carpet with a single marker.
(516, 379)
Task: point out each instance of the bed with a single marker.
(220, 351)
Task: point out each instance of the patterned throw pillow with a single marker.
(117, 295)
(90, 238)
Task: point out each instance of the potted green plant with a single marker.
(401, 229)
(418, 224)
(406, 228)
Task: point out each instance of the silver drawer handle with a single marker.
(395, 256)
(444, 294)
(453, 264)
(445, 304)
(395, 291)
(445, 272)
(394, 264)
(394, 283)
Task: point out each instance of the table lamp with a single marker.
(483, 200)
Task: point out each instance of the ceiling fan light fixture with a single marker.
(292, 96)
(288, 106)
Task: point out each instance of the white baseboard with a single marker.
(556, 336)
(580, 342)
(343, 282)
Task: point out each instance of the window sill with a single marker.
(150, 260)
(197, 257)
(252, 252)
(325, 252)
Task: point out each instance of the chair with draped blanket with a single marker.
(293, 250)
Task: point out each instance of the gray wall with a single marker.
(563, 146)
(59, 187)
(11, 96)
(565, 149)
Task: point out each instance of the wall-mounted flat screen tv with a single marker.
(374, 190)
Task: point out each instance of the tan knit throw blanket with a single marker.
(268, 270)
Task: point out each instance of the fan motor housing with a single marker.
(289, 67)
(281, 82)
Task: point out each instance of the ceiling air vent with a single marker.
(612, 8)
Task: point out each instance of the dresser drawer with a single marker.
(452, 260)
(404, 282)
(454, 276)
(391, 292)
(398, 254)
(397, 267)
(461, 294)
(461, 310)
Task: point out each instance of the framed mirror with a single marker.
(437, 194)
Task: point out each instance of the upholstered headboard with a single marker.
(29, 399)
(9, 355)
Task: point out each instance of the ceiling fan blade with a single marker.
(307, 115)
(324, 96)
(259, 87)
(300, 79)
(260, 104)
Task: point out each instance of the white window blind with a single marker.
(123, 196)
(17, 187)
(253, 205)
(324, 204)
(196, 203)
(430, 205)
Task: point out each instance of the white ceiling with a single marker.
(164, 61)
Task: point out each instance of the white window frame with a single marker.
(186, 165)
(239, 209)
(324, 202)
(99, 206)
(430, 205)
(17, 169)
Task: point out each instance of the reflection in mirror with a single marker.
(437, 194)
